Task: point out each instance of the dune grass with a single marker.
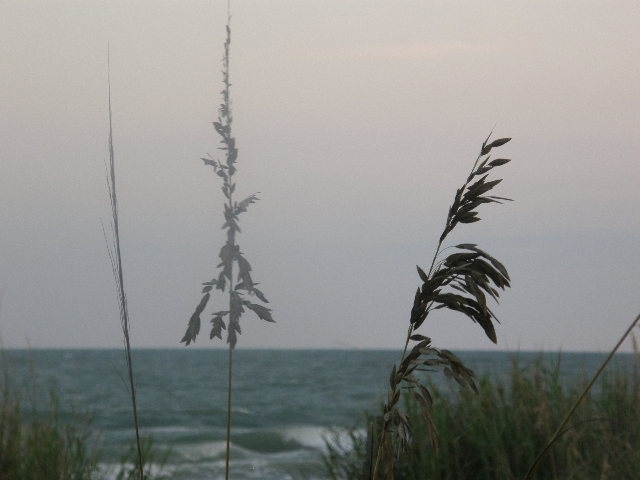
(561, 429)
(496, 433)
(463, 281)
(115, 256)
(42, 437)
(34, 442)
(43, 447)
(37, 444)
(490, 430)
(234, 276)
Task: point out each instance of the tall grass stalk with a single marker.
(115, 256)
(234, 275)
(459, 282)
(562, 427)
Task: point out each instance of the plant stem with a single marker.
(374, 475)
(560, 430)
(229, 374)
(385, 423)
(134, 406)
(118, 273)
(230, 358)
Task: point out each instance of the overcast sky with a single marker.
(356, 122)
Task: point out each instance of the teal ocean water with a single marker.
(285, 401)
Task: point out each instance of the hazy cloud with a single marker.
(356, 121)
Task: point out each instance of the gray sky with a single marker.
(356, 121)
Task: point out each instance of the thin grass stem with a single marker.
(227, 458)
(116, 263)
(561, 428)
(229, 378)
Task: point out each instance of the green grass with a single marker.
(41, 440)
(497, 433)
(36, 444)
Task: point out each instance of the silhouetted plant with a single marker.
(238, 285)
(459, 282)
(116, 264)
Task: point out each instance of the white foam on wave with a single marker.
(110, 471)
(205, 460)
(315, 437)
(169, 429)
(242, 410)
(196, 452)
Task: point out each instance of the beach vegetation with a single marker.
(234, 270)
(37, 443)
(476, 427)
(115, 256)
(495, 434)
(563, 426)
(463, 281)
(44, 438)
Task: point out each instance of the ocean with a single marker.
(285, 402)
